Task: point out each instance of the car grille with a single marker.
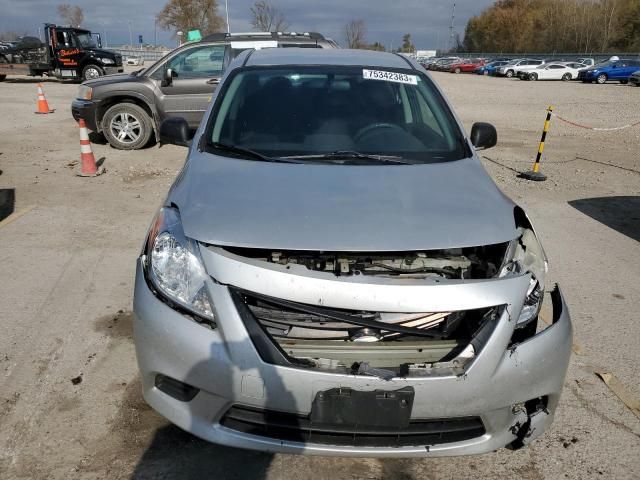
(345, 339)
(286, 319)
(297, 428)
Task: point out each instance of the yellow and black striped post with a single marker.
(535, 174)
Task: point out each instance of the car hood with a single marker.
(111, 79)
(243, 203)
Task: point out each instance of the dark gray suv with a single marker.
(128, 108)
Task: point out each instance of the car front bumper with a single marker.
(88, 111)
(226, 368)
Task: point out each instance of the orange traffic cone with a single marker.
(43, 106)
(88, 166)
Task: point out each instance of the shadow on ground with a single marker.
(7, 202)
(620, 213)
(174, 453)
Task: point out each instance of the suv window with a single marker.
(198, 62)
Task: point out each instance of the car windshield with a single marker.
(85, 40)
(321, 110)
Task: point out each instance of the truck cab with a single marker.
(77, 53)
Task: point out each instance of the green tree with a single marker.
(407, 45)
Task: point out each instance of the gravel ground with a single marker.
(70, 402)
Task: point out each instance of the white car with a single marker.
(509, 70)
(587, 62)
(522, 71)
(554, 71)
(135, 60)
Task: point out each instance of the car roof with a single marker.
(308, 56)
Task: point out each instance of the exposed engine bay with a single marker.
(456, 263)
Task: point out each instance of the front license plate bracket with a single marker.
(362, 411)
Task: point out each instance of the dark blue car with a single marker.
(619, 70)
(489, 68)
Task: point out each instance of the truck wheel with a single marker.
(91, 71)
(602, 78)
(127, 126)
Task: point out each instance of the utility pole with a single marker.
(453, 16)
(130, 35)
(226, 7)
(155, 33)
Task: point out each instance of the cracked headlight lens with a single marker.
(174, 265)
(527, 256)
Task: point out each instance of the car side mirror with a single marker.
(168, 77)
(175, 131)
(483, 135)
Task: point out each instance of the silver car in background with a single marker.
(333, 271)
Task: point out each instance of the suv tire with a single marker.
(602, 78)
(126, 126)
(91, 71)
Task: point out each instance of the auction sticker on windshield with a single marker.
(389, 76)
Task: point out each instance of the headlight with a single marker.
(526, 256)
(107, 61)
(84, 92)
(174, 266)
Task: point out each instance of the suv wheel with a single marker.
(602, 78)
(91, 71)
(127, 126)
(509, 73)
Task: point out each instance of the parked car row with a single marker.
(585, 69)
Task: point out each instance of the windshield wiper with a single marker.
(351, 155)
(249, 153)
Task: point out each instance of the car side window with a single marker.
(199, 62)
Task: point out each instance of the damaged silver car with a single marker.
(333, 271)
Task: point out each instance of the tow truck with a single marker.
(67, 53)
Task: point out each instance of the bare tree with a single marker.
(267, 18)
(72, 14)
(354, 33)
(185, 15)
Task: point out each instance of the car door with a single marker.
(556, 72)
(196, 74)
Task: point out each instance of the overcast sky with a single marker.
(426, 20)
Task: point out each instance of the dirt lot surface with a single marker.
(70, 401)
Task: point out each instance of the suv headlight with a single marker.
(526, 256)
(107, 61)
(174, 265)
(85, 92)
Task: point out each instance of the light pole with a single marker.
(130, 35)
(226, 7)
